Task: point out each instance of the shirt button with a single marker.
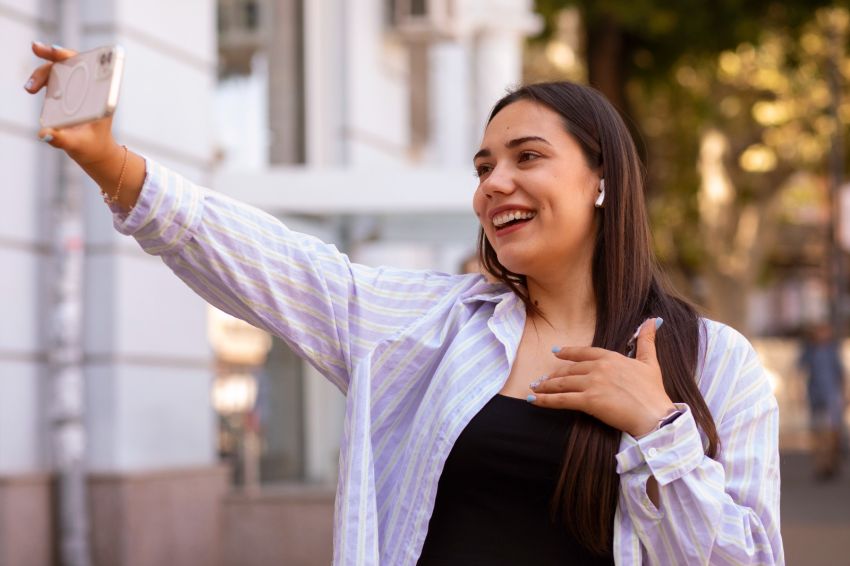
(653, 452)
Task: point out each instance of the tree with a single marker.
(645, 39)
(727, 116)
(757, 116)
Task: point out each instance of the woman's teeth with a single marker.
(505, 217)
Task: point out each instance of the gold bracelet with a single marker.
(113, 199)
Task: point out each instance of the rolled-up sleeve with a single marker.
(710, 511)
(247, 263)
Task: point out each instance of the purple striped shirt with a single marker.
(419, 353)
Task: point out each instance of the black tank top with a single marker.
(493, 499)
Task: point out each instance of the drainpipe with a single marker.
(65, 352)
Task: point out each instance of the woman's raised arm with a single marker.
(246, 262)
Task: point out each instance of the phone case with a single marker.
(83, 88)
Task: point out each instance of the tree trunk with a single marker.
(606, 55)
(608, 51)
(736, 237)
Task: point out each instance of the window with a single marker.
(419, 16)
(242, 31)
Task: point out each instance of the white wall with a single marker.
(376, 124)
(27, 166)
(147, 362)
(148, 367)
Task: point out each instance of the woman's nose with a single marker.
(500, 180)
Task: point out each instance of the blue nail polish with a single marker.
(54, 46)
(29, 84)
(531, 398)
(40, 43)
(47, 139)
(658, 322)
(556, 349)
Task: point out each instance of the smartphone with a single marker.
(83, 88)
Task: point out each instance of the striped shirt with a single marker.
(419, 353)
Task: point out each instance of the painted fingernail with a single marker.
(39, 43)
(537, 382)
(54, 46)
(531, 398)
(556, 349)
(47, 138)
(29, 84)
(658, 322)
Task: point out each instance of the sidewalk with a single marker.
(815, 516)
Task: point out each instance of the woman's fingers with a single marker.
(51, 52)
(51, 136)
(572, 401)
(646, 341)
(562, 384)
(579, 354)
(38, 78)
(68, 139)
(84, 143)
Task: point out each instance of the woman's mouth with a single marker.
(510, 220)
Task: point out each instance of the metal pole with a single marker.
(838, 283)
(66, 411)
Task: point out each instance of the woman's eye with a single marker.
(481, 170)
(527, 155)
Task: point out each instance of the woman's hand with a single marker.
(87, 144)
(627, 394)
(119, 173)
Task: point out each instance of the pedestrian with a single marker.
(524, 421)
(820, 358)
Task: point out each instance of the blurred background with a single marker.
(139, 427)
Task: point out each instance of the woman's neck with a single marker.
(567, 304)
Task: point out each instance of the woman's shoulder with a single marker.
(718, 337)
(730, 373)
(479, 288)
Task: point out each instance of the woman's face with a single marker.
(536, 193)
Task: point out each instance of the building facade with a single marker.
(355, 120)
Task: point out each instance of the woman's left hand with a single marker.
(627, 394)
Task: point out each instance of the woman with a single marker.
(469, 438)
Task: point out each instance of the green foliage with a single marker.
(657, 33)
(772, 101)
(757, 72)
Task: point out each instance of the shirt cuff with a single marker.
(166, 213)
(670, 452)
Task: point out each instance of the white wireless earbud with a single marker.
(601, 198)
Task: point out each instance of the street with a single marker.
(815, 516)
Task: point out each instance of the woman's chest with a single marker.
(535, 359)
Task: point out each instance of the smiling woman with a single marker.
(584, 269)
(469, 438)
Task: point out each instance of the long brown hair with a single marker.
(629, 288)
